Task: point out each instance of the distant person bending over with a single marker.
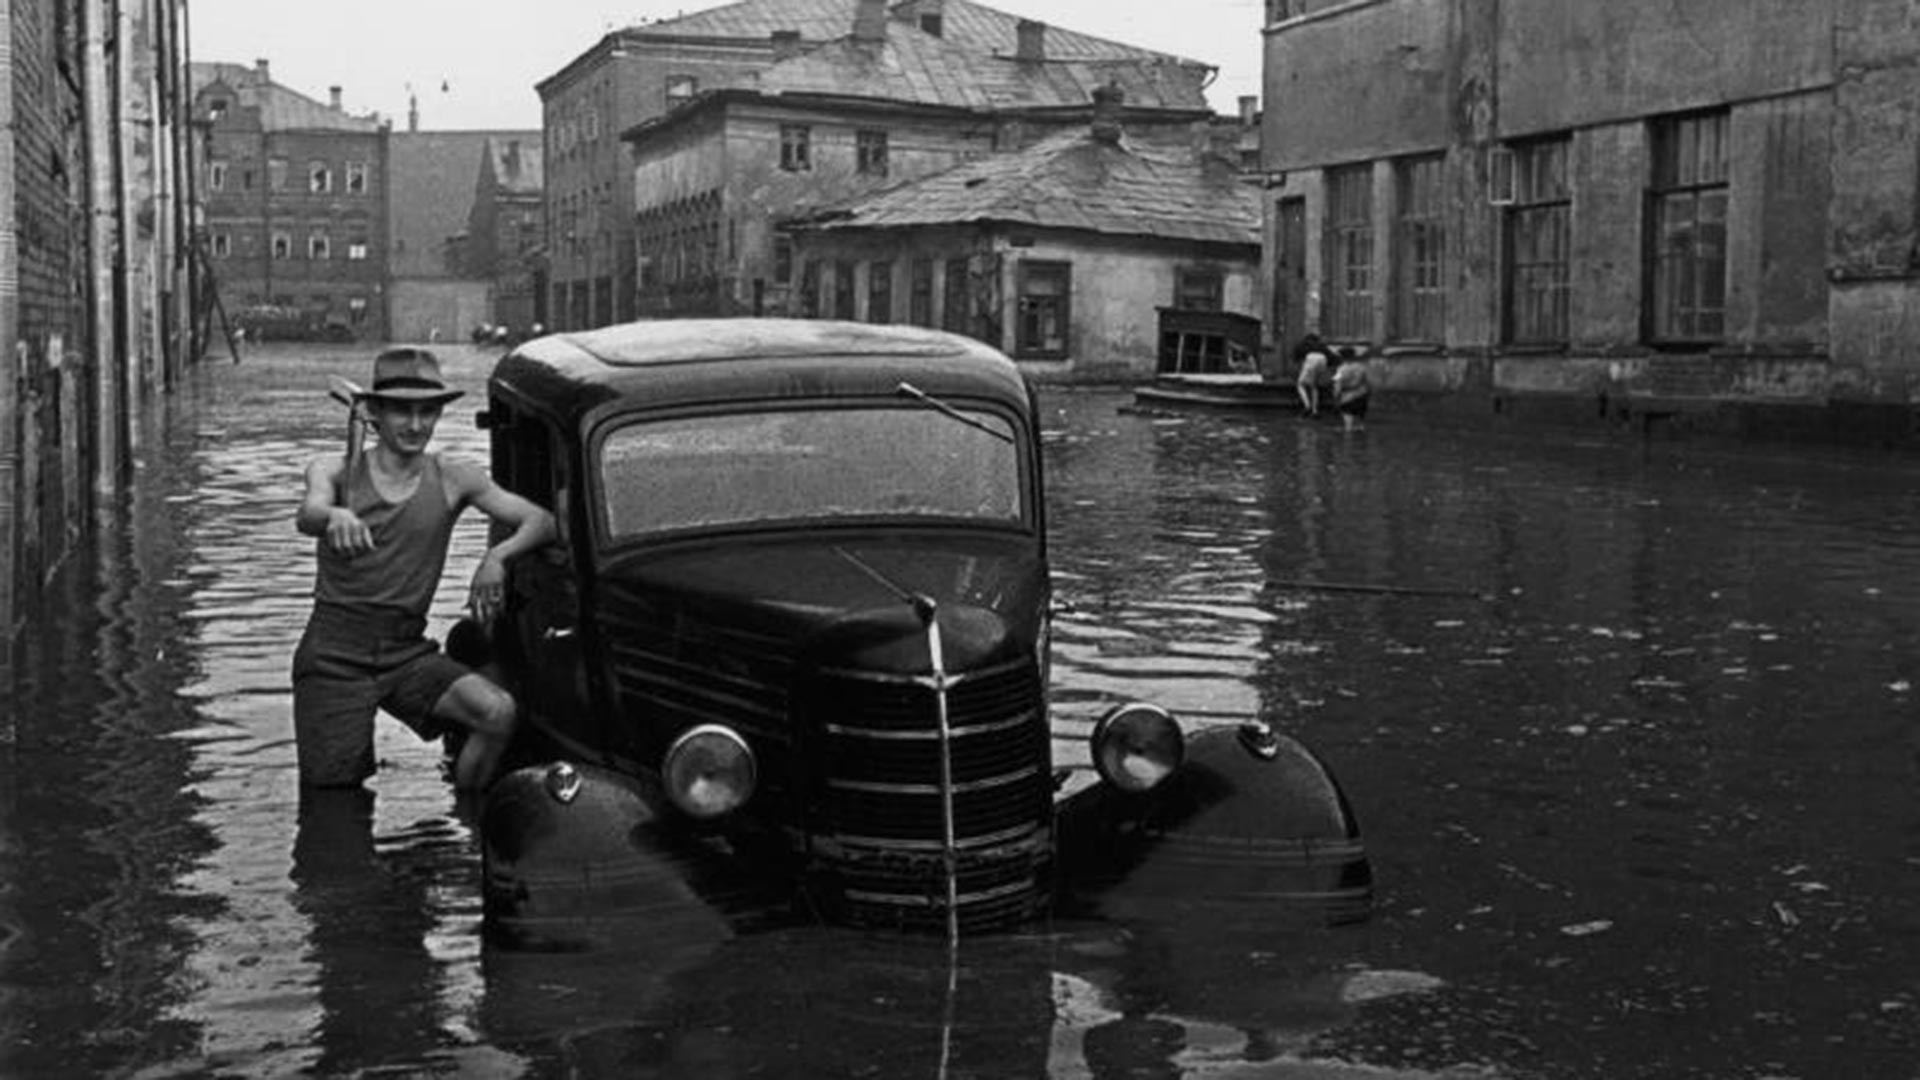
(1312, 355)
(382, 529)
(1351, 389)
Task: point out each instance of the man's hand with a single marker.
(346, 533)
(489, 595)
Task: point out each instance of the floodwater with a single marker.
(1629, 727)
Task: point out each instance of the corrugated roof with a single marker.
(913, 66)
(969, 25)
(1143, 185)
(281, 109)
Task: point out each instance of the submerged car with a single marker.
(797, 623)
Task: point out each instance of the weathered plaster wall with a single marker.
(1362, 81)
(1572, 63)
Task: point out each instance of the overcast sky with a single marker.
(473, 63)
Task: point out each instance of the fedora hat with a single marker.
(409, 374)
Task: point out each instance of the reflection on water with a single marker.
(1628, 729)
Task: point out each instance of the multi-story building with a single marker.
(432, 292)
(883, 104)
(1633, 210)
(294, 193)
(637, 74)
(505, 238)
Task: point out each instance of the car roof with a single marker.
(673, 362)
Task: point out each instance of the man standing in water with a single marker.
(382, 521)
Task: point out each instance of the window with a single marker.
(247, 179)
(954, 316)
(1419, 256)
(592, 124)
(1689, 221)
(1349, 258)
(356, 249)
(282, 245)
(217, 176)
(356, 178)
(796, 141)
(319, 246)
(319, 178)
(880, 292)
(222, 244)
(810, 289)
(1197, 288)
(1045, 289)
(277, 174)
(870, 152)
(681, 87)
(843, 289)
(1278, 10)
(930, 21)
(1536, 241)
(357, 309)
(920, 293)
(783, 259)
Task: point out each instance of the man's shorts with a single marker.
(349, 665)
(1355, 406)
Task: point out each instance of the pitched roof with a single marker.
(281, 109)
(967, 24)
(911, 65)
(1145, 184)
(516, 162)
(431, 177)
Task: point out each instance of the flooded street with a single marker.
(1629, 729)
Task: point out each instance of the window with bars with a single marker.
(796, 147)
(1046, 290)
(1419, 256)
(879, 292)
(953, 315)
(1689, 222)
(920, 293)
(1348, 309)
(843, 289)
(870, 152)
(1537, 239)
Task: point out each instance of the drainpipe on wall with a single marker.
(109, 412)
(10, 373)
(128, 331)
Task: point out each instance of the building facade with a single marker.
(882, 105)
(638, 74)
(505, 234)
(1063, 255)
(1634, 210)
(294, 196)
(96, 285)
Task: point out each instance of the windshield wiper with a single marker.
(907, 389)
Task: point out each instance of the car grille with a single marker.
(875, 807)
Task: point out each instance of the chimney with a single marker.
(786, 45)
(870, 22)
(928, 15)
(1107, 102)
(1249, 110)
(413, 112)
(260, 68)
(513, 157)
(333, 97)
(1030, 40)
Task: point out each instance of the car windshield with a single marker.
(697, 472)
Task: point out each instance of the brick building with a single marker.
(95, 296)
(294, 193)
(1641, 211)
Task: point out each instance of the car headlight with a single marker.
(1136, 746)
(709, 771)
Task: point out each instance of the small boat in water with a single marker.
(1227, 390)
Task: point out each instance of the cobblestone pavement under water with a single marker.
(1630, 729)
